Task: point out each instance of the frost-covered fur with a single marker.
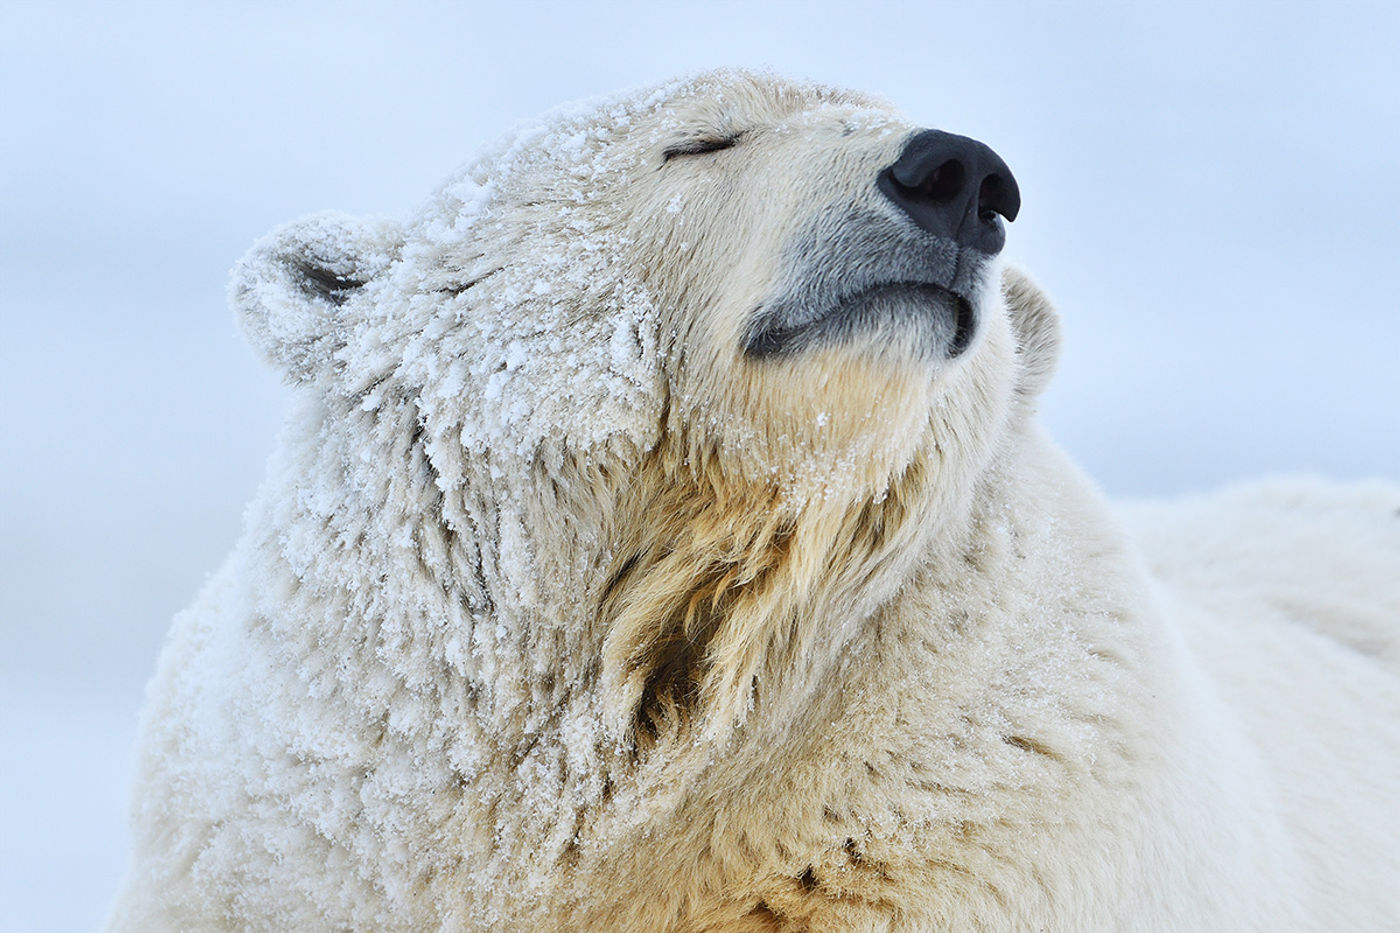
(559, 612)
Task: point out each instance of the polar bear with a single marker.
(664, 540)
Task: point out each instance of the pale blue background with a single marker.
(1210, 196)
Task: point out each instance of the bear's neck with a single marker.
(726, 596)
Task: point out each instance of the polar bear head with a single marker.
(691, 377)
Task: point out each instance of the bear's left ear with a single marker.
(1037, 329)
(294, 292)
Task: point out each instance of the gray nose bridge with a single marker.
(953, 187)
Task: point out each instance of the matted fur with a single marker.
(557, 611)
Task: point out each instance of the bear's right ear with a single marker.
(294, 292)
(1037, 329)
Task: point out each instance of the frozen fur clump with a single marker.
(568, 605)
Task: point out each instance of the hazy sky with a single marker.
(1209, 195)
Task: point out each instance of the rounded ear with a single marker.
(1037, 328)
(294, 291)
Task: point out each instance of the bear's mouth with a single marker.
(941, 321)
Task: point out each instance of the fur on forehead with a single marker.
(580, 139)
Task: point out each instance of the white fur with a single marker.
(558, 612)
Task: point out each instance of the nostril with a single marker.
(994, 197)
(945, 182)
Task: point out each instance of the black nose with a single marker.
(954, 187)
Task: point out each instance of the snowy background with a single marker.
(1210, 196)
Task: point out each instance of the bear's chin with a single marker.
(921, 319)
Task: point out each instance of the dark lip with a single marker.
(860, 272)
(842, 315)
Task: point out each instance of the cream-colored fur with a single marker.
(557, 611)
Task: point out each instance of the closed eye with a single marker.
(699, 145)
